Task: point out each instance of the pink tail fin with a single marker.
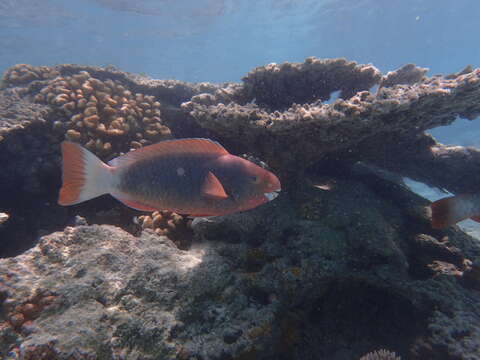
(84, 175)
(449, 211)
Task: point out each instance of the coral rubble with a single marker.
(343, 262)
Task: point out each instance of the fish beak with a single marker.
(272, 195)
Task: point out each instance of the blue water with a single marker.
(221, 40)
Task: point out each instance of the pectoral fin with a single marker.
(213, 188)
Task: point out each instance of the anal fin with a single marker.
(135, 204)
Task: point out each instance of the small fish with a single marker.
(196, 177)
(450, 210)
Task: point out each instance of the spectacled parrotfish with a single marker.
(195, 177)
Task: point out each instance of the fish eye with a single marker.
(255, 179)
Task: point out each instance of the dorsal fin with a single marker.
(171, 147)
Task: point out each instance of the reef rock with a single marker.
(333, 274)
(25, 130)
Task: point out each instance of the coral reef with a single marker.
(41, 106)
(343, 262)
(253, 284)
(352, 129)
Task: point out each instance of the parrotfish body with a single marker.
(187, 176)
(450, 210)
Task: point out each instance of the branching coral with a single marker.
(103, 115)
(176, 227)
(22, 74)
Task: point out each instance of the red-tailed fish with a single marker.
(450, 210)
(197, 177)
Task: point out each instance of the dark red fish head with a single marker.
(261, 181)
(247, 183)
